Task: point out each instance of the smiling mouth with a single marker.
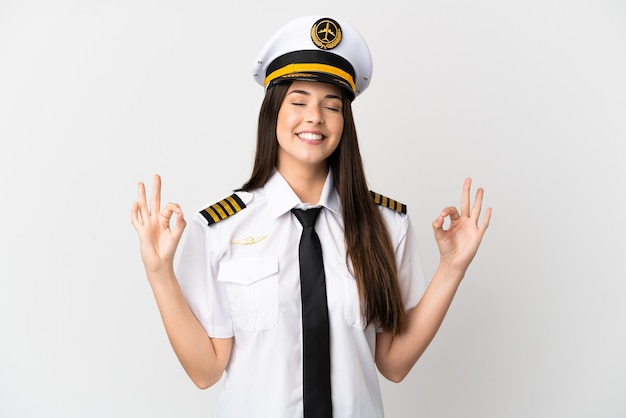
(308, 136)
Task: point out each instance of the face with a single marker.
(309, 125)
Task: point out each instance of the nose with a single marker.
(315, 115)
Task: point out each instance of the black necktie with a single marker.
(315, 334)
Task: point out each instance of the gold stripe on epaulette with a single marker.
(388, 203)
(223, 209)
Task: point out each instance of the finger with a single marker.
(483, 227)
(478, 202)
(180, 225)
(141, 200)
(452, 212)
(438, 223)
(166, 214)
(135, 218)
(438, 226)
(155, 200)
(170, 210)
(465, 197)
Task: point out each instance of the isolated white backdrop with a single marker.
(527, 98)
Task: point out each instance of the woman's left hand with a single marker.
(459, 243)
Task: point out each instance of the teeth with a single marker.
(309, 136)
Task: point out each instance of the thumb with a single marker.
(180, 223)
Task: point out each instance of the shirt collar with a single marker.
(281, 198)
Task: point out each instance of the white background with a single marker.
(527, 98)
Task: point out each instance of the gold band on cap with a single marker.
(315, 67)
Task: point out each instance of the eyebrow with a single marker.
(306, 93)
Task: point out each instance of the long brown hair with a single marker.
(367, 239)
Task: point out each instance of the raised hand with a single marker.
(459, 243)
(157, 241)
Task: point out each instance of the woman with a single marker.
(238, 301)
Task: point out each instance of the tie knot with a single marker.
(307, 217)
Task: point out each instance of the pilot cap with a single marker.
(316, 48)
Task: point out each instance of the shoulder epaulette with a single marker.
(223, 209)
(388, 203)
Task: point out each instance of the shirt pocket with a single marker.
(252, 288)
(350, 292)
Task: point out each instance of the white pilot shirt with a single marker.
(241, 279)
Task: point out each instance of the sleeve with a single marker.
(410, 267)
(197, 268)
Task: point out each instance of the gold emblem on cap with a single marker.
(326, 33)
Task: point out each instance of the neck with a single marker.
(306, 182)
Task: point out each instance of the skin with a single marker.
(309, 129)
(396, 355)
(203, 358)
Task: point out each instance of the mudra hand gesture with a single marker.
(157, 241)
(459, 243)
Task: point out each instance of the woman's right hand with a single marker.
(157, 241)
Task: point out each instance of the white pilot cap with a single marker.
(316, 48)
